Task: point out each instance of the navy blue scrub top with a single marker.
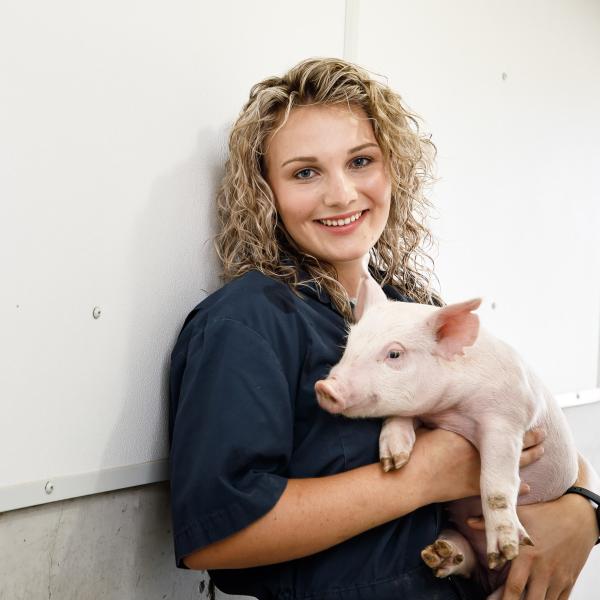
(244, 419)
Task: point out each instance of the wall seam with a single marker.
(351, 30)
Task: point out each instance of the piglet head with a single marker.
(391, 364)
(343, 391)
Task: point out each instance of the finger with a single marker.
(514, 590)
(533, 437)
(536, 589)
(476, 523)
(560, 588)
(558, 593)
(566, 593)
(530, 455)
(516, 580)
(524, 488)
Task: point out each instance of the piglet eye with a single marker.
(394, 354)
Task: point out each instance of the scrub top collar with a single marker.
(310, 288)
(307, 285)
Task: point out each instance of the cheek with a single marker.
(399, 375)
(380, 186)
(294, 207)
(395, 365)
(380, 191)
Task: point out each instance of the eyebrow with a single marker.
(314, 158)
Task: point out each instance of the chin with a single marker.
(350, 257)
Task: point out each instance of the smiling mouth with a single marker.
(340, 222)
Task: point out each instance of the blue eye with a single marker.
(361, 161)
(304, 174)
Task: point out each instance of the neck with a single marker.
(350, 273)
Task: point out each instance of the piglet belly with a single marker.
(550, 476)
(556, 470)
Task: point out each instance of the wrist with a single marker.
(586, 512)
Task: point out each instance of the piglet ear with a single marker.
(370, 294)
(454, 327)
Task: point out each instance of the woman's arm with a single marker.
(565, 530)
(314, 514)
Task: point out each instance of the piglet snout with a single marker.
(329, 397)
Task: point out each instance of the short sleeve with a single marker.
(231, 433)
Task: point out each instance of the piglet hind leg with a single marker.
(396, 442)
(499, 488)
(450, 554)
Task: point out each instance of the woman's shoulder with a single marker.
(254, 300)
(248, 296)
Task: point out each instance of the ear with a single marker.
(370, 294)
(454, 327)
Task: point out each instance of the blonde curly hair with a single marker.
(251, 235)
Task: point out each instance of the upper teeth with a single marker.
(339, 222)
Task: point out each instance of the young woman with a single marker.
(271, 494)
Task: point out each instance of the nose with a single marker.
(328, 397)
(341, 190)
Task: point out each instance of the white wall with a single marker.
(114, 117)
(510, 92)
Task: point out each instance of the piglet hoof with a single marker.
(496, 561)
(395, 462)
(400, 459)
(443, 557)
(396, 442)
(510, 551)
(505, 539)
(387, 463)
(526, 541)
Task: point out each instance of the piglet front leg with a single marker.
(396, 442)
(500, 450)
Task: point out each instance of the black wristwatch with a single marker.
(590, 496)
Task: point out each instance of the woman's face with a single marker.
(330, 182)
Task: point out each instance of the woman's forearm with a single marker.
(317, 513)
(311, 515)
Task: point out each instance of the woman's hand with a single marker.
(564, 532)
(453, 463)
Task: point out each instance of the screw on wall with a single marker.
(49, 487)
(504, 76)
(96, 312)
(493, 306)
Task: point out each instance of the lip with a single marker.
(343, 229)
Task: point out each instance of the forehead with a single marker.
(308, 127)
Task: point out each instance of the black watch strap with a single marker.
(590, 496)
